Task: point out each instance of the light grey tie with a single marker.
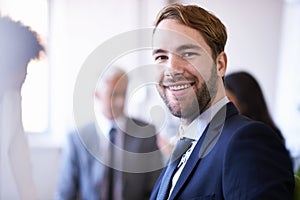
(181, 147)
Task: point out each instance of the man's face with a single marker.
(188, 76)
(112, 97)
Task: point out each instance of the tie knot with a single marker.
(112, 134)
(181, 147)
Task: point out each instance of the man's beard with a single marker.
(200, 100)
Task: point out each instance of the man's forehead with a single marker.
(170, 33)
(173, 42)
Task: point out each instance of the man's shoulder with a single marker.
(82, 132)
(141, 122)
(240, 121)
(242, 126)
(138, 123)
(140, 129)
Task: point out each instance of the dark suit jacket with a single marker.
(82, 172)
(235, 158)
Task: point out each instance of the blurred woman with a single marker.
(244, 91)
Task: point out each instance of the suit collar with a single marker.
(231, 110)
(196, 128)
(105, 124)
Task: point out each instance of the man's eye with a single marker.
(188, 54)
(160, 58)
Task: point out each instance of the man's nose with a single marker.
(175, 65)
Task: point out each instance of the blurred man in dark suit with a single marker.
(87, 170)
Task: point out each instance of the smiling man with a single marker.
(226, 155)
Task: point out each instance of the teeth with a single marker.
(179, 87)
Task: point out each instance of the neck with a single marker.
(185, 122)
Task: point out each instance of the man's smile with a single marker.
(179, 87)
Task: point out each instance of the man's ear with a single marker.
(221, 64)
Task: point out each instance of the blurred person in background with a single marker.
(19, 44)
(86, 170)
(246, 94)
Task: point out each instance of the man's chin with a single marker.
(176, 112)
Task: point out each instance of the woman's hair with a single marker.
(249, 97)
(19, 44)
(209, 26)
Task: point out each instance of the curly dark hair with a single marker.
(18, 44)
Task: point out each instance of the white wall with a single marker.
(288, 95)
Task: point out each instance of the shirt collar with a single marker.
(196, 128)
(104, 124)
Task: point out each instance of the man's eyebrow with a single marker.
(189, 46)
(155, 51)
(180, 48)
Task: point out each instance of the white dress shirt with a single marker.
(104, 125)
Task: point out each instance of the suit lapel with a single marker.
(192, 162)
(205, 144)
(90, 139)
(157, 184)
